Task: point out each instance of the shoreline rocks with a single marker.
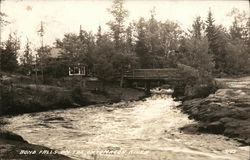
(226, 112)
(14, 146)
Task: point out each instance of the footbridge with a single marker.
(164, 75)
(154, 74)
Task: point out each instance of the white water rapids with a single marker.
(143, 130)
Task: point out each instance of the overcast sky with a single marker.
(63, 16)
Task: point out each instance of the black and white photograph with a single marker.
(125, 80)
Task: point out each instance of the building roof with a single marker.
(56, 52)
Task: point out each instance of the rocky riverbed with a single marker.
(227, 111)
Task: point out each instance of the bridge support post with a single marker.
(122, 81)
(158, 83)
(147, 88)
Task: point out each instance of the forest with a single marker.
(208, 49)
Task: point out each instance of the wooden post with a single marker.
(147, 89)
(122, 79)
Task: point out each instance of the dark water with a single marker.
(137, 130)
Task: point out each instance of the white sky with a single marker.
(63, 16)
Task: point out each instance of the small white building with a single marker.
(77, 70)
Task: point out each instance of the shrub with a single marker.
(199, 83)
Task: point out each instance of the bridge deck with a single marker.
(153, 74)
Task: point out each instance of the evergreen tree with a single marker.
(153, 36)
(27, 58)
(42, 60)
(129, 39)
(70, 46)
(211, 34)
(197, 28)
(237, 59)
(104, 51)
(236, 30)
(217, 40)
(99, 35)
(141, 47)
(238, 46)
(9, 53)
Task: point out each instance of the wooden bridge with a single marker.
(165, 75)
(153, 74)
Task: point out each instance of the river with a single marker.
(145, 130)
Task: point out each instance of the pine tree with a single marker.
(216, 40)
(9, 53)
(197, 28)
(129, 39)
(141, 47)
(211, 33)
(27, 58)
(99, 35)
(153, 35)
(236, 30)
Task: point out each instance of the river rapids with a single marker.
(147, 130)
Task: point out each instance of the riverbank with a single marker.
(226, 112)
(14, 147)
(20, 95)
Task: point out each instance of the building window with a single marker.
(77, 70)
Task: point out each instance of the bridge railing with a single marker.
(152, 73)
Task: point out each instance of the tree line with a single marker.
(145, 43)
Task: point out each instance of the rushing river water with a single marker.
(142, 130)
